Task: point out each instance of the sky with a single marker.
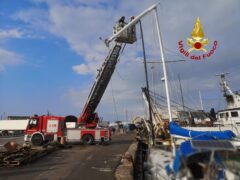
(50, 51)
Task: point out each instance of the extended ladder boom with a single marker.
(100, 85)
(124, 33)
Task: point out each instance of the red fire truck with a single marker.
(42, 129)
(48, 128)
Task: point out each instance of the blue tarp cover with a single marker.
(185, 150)
(175, 129)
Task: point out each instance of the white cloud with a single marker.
(10, 33)
(81, 27)
(8, 58)
(82, 69)
(36, 18)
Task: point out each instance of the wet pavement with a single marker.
(81, 162)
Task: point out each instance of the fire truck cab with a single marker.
(42, 129)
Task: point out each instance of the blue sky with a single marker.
(50, 52)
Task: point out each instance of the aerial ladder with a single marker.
(124, 33)
(89, 118)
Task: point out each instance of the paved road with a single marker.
(94, 162)
(18, 140)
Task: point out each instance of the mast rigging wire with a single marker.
(114, 102)
(146, 76)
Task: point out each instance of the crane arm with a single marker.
(126, 34)
(88, 115)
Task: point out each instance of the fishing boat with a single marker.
(228, 118)
(230, 115)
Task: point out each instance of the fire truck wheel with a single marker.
(87, 139)
(37, 140)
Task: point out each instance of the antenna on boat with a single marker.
(232, 98)
(224, 84)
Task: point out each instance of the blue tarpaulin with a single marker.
(175, 129)
(186, 150)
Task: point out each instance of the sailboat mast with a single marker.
(200, 97)
(165, 75)
(164, 65)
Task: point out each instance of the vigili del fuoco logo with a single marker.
(197, 44)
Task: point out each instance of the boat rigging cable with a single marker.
(170, 52)
(146, 76)
(163, 99)
(114, 101)
(173, 85)
(155, 44)
(158, 98)
(181, 91)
